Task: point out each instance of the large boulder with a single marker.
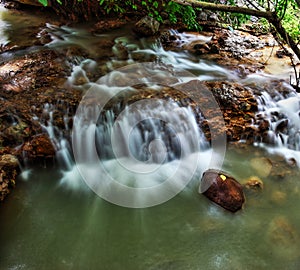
(222, 189)
(146, 27)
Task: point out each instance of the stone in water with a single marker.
(222, 189)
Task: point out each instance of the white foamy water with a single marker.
(142, 155)
(283, 116)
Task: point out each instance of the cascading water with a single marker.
(141, 140)
(280, 114)
(155, 132)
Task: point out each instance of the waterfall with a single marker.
(138, 154)
(281, 115)
(152, 141)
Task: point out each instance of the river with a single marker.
(66, 216)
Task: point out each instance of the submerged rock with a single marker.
(222, 189)
(262, 166)
(278, 197)
(283, 237)
(9, 169)
(146, 27)
(254, 183)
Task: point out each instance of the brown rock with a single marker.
(39, 146)
(222, 189)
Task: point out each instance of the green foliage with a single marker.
(131, 4)
(186, 13)
(112, 5)
(290, 21)
(44, 2)
(118, 6)
(152, 9)
(287, 10)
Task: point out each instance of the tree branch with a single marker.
(225, 8)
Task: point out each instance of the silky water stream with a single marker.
(53, 220)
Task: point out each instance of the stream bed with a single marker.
(45, 225)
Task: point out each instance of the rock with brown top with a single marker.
(222, 189)
(39, 147)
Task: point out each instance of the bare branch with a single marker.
(226, 8)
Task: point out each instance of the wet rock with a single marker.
(120, 51)
(28, 72)
(254, 183)
(238, 106)
(170, 40)
(202, 16)
(262, 166)
(9, 169)
(44, 37)
(282, 125)
(16, 124)
(107, 25)
(282, 53)
(283, 238)
(143, 57)
(222, 189)
(213, 17)
(39, 147)
(278, 197)
(146, 27)
(201, 48)
(263, 125)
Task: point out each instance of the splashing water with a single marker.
(283, 118)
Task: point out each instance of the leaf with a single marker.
(155, 4)
(44, 2)
(223, 177)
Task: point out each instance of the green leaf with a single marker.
(44, 2)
